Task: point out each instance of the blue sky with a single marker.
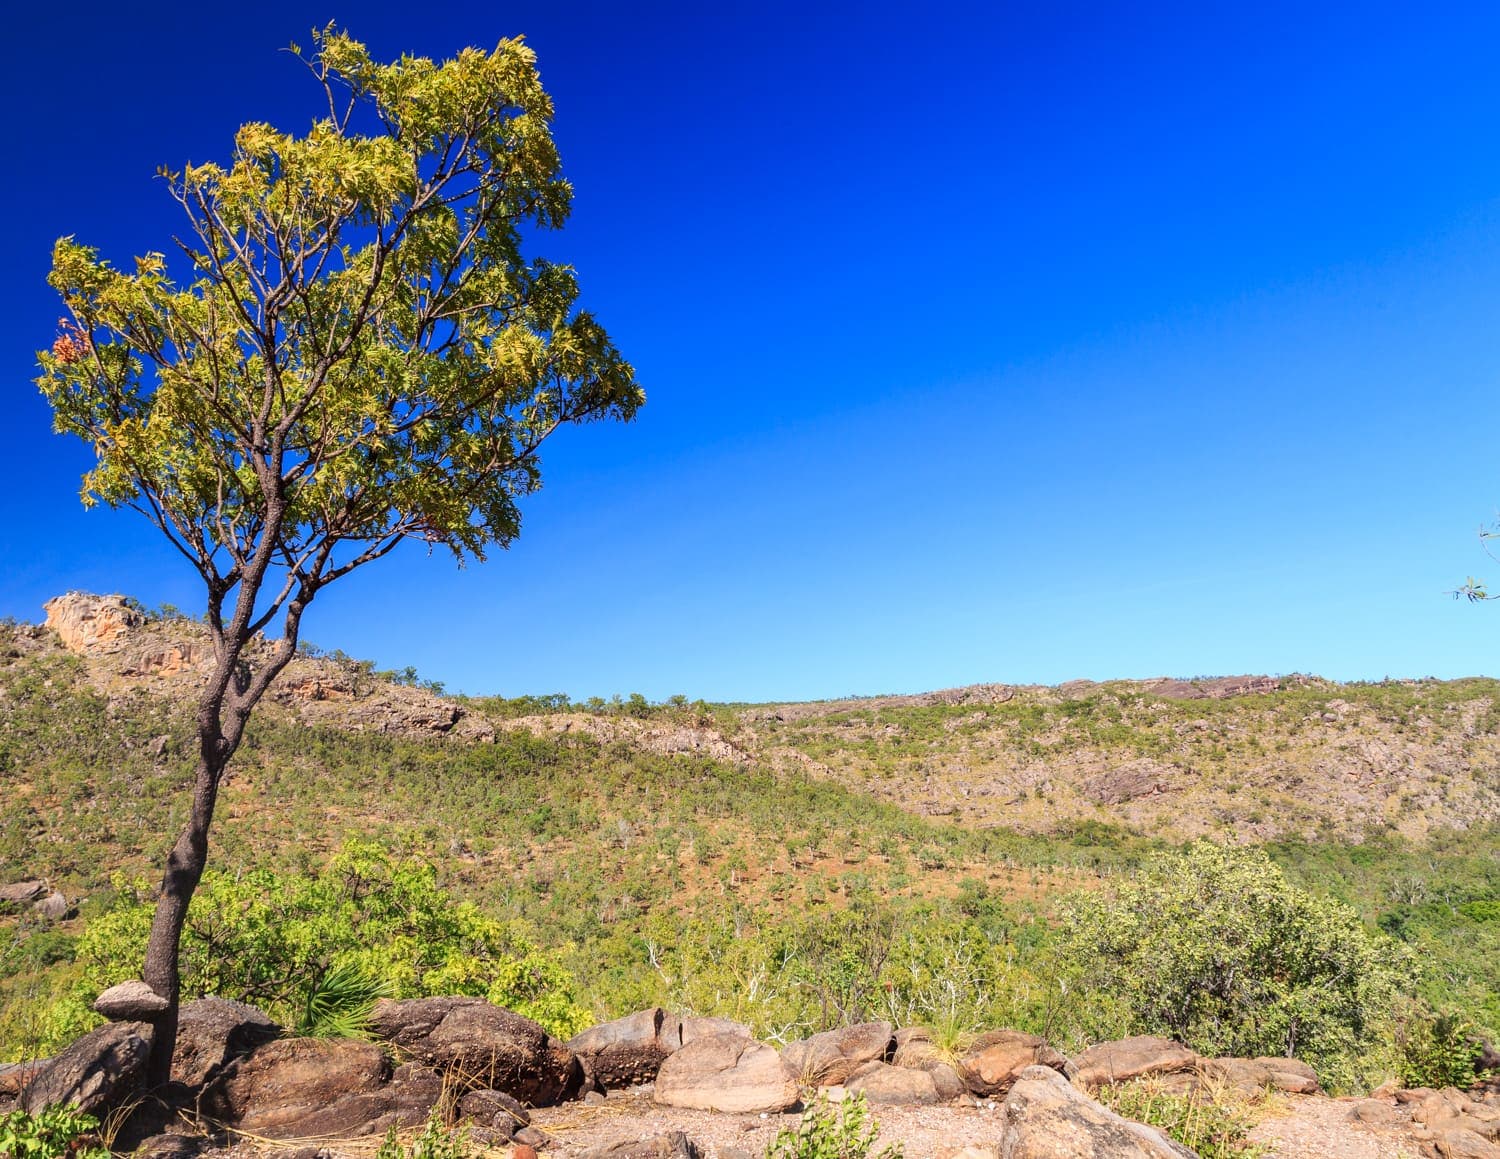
(981, 342)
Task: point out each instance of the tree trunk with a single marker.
(184, 870)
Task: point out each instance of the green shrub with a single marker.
(828, 1130)
(437, 1141)
(1437, 1049)
(1213, 946)
(1215, 1124)
(50, 1134)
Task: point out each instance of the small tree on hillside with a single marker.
(362, 356)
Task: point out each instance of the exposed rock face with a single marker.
(1130, 782)
(90, 625)
(130, 1001)
(831, 1057)
(99, 1071)
(1046, 1117)
(695, 1027)
(21, 892)
(880, 1082)
(726, 1072)
(628, 1050)
(1251, 1076)
(211, 1033)
(996, 1059)
(482, 1046)
(302, 1087)
(1132, 1058)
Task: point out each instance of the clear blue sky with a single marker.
(982, 342)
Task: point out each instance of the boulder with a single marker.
(480, 1045)
(211, 1033)
(1251, 1076)
(53, 906)
(15, 1076)
(1046, 1117)
(302, 1087)
(672, 1145)
(494, 1110)
(1131, 1058)
(132, 1001)
(996, 1059)
(880, 1082)
(20, 892)
(1375, 1113)
(629, 1050)
(701, 1026)
(1460, 1144)
(101, 1070)
(726, 1072)
(829, 1058)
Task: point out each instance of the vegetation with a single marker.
(51, 1134)
(362, 356)
(829, 1130)
(436, 1141)
(1213, 1124)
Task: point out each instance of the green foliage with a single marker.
(1213, 946)
(50, 1134)
(829, 1130)
(1214, 1124)
(315, 949)
(1437, 1049)
(436, 1141)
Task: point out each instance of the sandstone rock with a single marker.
(696, 1027)
(629, 1050)
(672, 1145)
(303, 1087)
(482, 1045)
(829, 1058)
(1465, 1145)
(880, 1082)
(992, 1064)
(1375, 1112)
(912, 1046)
(211, 1033)
(101, 1070)
(495, 1110)
(1046, 1117)
(1253, 1075)
(53, 906)
(1130, 782)
(14, 1076)
(532, 1136)
(20, 892)
(1131, 1058)
(725, 1072)
(90, 625)
(172, 1146)
(132, 1001)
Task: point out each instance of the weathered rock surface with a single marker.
(1046, 1117)
(1131, 1058)
(726, 1072)
(494, 1110)
(629, 1050)
(212, 1032)
(996, 1059)
(100, 1070)
(21, 892)
(1251, 1076)
(670, 1145)
(482, 1045)
(829, 1058)
(695, 1027)
(90, 625)
(132, 1001)
(880, 1082)
(54, 906)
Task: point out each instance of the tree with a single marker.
(363, 357)
(1213, 946)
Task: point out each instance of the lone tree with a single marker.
(363, 356)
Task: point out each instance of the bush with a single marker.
(50, 1134)
(1213, 1124)
(828, 1130)
(1437, 1049)
(1214, 947)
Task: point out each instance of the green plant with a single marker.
(436, 1141)
(1213, 1122)
(829, 1130)
(340, 1002)
(50, 1134)
(1437, 1049)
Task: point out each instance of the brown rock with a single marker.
(629, 1050)
(211, 1033)
(672, 1145)
(21, 892)
(14, 1076)
(91, 625)
(725, 1072)
(494, 1109)
(53, 906)
(481, 1045)
(1255, 1075)
(101, 1070)
(1376, 1113)
(1131, 1058)
(302, 1087)
(992, 1064)
(880, 1082)
(829, 1058)
(1046, 1117)
(696, 1027)
(1465, 1145)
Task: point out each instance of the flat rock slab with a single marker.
(129, 1002)
(727, 1073)
(1132, 1058)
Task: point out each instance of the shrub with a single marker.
(1213, 946)
(1215, 1124)
(1437, 1049)
(828, 1130)
(50, 1134)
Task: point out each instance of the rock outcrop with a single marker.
(98, 1071)
(726, 1072)
(1047, 1117)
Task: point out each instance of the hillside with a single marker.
(724, 857)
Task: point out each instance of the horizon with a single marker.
(1018, 345)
